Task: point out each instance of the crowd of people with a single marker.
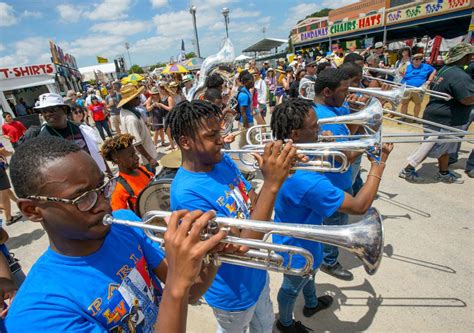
(112, 277)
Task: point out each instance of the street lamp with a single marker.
(127, 47)
(225, 12)
(192, 10)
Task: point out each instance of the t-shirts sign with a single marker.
(25, 71)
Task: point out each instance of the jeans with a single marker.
(289, 290)
(453, 157)
(101, 125)
(259, 317)
(470, 162)
(330, 252)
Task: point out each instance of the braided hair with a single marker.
(329, 78)
(186, 117)
(115, 144)
(289, 116)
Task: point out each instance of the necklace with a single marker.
(59, 134)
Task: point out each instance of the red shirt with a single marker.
(97, 111)
(14, 130)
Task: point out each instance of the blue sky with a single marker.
(153, 28)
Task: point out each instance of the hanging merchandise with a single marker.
(368, 42)
(351, 45)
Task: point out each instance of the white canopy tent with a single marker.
(242, 57)
(101, 71)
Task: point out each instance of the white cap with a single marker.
(49, 99)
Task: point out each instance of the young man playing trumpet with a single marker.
(96, 277)
(209, 180)
(331, 89)
(309, 197)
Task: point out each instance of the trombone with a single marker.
(363, 239)
(320, 160)
(398, 78)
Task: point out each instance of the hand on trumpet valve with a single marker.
(185, 249)
(276, 162)
(386, 86)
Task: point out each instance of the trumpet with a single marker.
(319, 160)
(363, 239)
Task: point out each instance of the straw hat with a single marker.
(128, 93)
(154, 90)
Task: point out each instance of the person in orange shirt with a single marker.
(132, 178)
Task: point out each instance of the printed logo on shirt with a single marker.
(236, 200)
(132, 305)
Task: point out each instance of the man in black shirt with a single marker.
(451, 79)
(54, 111)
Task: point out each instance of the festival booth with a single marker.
(67, 73)
(262, 50)
(102, 72)
(27, 82)
(311, 36)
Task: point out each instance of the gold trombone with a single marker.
(363, 239)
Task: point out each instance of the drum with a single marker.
(156, 196)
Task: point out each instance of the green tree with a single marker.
(322, 13)
(136, 69)
(190, 55)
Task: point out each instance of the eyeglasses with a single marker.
(52, 109)
(87, 200)
(418, 59)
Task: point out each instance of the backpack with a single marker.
(122, 181)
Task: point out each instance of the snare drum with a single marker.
(156, 196)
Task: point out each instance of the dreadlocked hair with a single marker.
(187, 116)
(329, 78)
(289, 116)
(115, 144)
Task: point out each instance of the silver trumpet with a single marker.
(319, 160)
(363, 239)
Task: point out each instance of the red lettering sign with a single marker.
(26, 71)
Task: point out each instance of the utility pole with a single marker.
(127, 47)
(192, 10)
(225, 12)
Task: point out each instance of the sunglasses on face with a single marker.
(87, 200)
(417, 59)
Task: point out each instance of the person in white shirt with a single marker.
(133, 123)
(262, 93)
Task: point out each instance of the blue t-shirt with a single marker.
(111, 289)
(224, 190)
(306, 197)
(341, 180)
(244, 98)
(417, 76)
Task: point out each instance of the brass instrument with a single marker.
(319, 160)
(363, 239)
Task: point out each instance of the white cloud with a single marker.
(158, 3)
(96, 45)
(7, 15)
(2, 47)
(239, 13)
(27, 13)
(111, 10)
(26, 51)
(69, 13)
(122, 28)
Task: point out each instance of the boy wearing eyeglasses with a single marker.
(97, 277)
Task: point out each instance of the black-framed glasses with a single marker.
(87, 200)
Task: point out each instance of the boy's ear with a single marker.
(30, 210)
